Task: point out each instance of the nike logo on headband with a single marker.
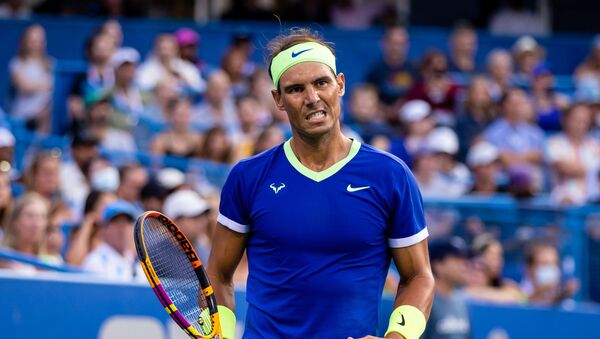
(295, 54)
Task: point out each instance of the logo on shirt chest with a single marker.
(277, 188)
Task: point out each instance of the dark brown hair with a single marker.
(293, 37)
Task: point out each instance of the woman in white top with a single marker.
(26, 228)
(574, 157)
(31, 72)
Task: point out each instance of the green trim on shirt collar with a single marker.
(319, 176)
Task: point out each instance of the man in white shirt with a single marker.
(115, 258)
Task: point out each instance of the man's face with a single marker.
(310, 94)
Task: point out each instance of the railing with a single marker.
(11, 255)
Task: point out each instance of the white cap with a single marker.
(170, 178)
(525, 43)
(7, 139)
(184, 203)
(105, 179)
(414, 110)
(442, 140)
(482, 153)
(125, 54)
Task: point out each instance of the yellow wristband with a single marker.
(408, 321)
(227, 319)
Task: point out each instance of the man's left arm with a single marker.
(416, 287)
(415, 291)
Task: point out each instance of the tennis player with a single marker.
(320, 217)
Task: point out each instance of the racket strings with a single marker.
(176, 275)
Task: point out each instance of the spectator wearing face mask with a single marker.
(543, 282)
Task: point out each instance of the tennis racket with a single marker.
(176, 275)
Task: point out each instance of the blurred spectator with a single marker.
(591, 64)
(114, 258)
(26, 227)
(7, 151)
(102, 175)
(478, 113)
(192, 213)
(113, 28)
(99, 77)
(260, 87)
(217, 146)
(43, 175)
(171, 178)
(132, 178)
(32, 78)
(242, 41)
(249, 110)
(574, 157)
(233, 64)
(164, 62)
(436, 87)
(270, 137)
(368, 120)
(73, 180)
(543, 282)
(483, 159)
(425, 167)
(519, 141)
(527, 53)
(99, 122)
(449, 318)
(463, 47)
(393, 75)
(485, 282)
(54, 240)
(547, 103)
(86, 237)
(218, 108)
(15, 9)
(500, 73)
(418, 123)
(179, 140)
(126, 97)
(6, 199)
(188, 41)
(454, 177)
(514, 18)
(153, 195)
(157, 107)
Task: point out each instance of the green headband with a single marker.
(306, 51)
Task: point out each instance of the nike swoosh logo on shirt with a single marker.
(354, 189)
(295, 54)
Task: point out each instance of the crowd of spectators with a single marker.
(462, 127)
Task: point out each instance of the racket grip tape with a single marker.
(227, 319)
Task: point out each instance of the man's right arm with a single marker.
(227, 250)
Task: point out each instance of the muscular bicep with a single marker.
(416, 284)
(227, 250)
